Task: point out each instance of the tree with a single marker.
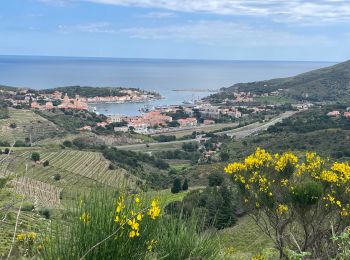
(35, 156)
(67, 143)
(176, 186)
(46, 163)
(185, 185)
(13, 125)
(173, 124)
(295, 200)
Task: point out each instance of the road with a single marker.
(238, 133)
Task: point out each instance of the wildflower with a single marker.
(31, 236)
(150, 245)
(132, 234)
(284, 160)
(154, 211)
(85, 217)
(139, 217)
(137, 200)
(21, 237)
(281, 209)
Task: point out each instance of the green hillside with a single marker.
(326, 84)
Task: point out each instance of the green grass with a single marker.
(245, 239)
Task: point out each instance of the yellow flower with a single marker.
(329, 176)
(21, 237)
(31, 236)
(281, 209)
(154, 211)
(150, 244)
(137, 200)
(285, 159)
(85, 217)
(139, 217)
(117, 219)
(132, 234)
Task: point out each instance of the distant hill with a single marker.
(326, 84)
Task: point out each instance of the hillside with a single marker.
(326, 84)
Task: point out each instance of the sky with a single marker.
(304, 30)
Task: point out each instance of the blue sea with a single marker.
(162, 76)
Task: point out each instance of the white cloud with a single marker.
(100, 27)
(281, 10)
(226, 34)
(157, 15)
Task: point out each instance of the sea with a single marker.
(191, 78)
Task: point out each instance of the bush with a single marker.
(2, 182)
(46, 163)
(57, 177)
(27, 206)
(67, 143)
(305, 195)
(35, 156)
(215, 179)
(13, 125)
(45, 212)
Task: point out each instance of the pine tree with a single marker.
(185, 185)
(176, 186)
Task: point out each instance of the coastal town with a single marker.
(157, 120)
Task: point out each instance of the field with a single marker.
(69, 172)
(28, 124)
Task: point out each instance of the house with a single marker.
(334, 113)
(208, 122)
(187, 122)
(102, 124)
(85, 128)
(124, 129)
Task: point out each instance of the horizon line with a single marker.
(165, 59)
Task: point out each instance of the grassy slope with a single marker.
(330, 83)
(28, 123)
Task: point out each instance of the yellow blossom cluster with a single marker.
(85, 218)
(22, 237)
(154, 211)
(133, 215)
(281, 209)
(150, 245)
(284, 160)
(260, 173)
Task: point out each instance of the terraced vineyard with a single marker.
(28, 220)
(78, 171)
(45, 194)
(28, 124)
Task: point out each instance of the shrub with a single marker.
(46, 163)
(13, 125)
(35, 156)
(304, 195)
(2, 182)
(215, 179)
(45, 212)
(27, 206)
(67, 143)
(57, 177)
